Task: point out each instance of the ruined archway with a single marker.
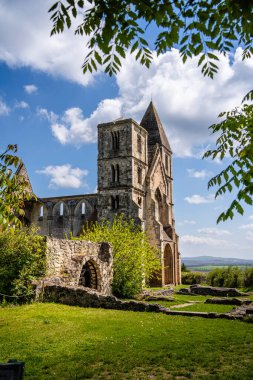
(168, 265)
(89, 276)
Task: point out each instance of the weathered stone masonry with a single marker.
(77, 262)
(134, 178)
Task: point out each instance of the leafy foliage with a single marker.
(184, 268)
(13, 190)
(199, 28)
(236, 141)
(231, 277)
(22, 260)
(134, 260)
(191, 278)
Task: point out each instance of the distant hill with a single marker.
(214, 261)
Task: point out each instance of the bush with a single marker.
(134, 260)
(22, 260)
(231, 277)
(191, 278)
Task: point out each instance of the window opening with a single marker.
(61, 209)
(117, 173)
(113, 173)
(117, 202)
(41, 211)
(83, 208)
(115, 140)
(139, 175)
(88, 276)
(139, 147)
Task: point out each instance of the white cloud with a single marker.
(199, 240)
(30, 88)
(251, 217)
(4, 109)
(186, 101)
(248, 228)
(28, 41)
(214, 231)
(199, 199)
(45, 114)
(21, 105)
(74, 128)
(64, 176)
(186, 221)
(199, 174)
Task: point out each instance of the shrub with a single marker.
(232, 277)
(22, 260)
(184, 268)
(191, 278)
(134, 260)
(248, 278)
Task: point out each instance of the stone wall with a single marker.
(77, 211)
(66, 261)
(83, 297)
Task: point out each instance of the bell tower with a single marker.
(122, 168)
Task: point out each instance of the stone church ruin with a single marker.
(134, 178)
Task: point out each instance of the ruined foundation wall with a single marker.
(66, 258)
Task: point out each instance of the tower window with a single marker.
(139, 174)
(113, 173)
(115, 140)
(115, 202)
(41, 211)
(139, 147)
(117, 173)
(61, 209)
(83, 208)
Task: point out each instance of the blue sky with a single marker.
(51, 111)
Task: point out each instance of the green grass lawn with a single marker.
(207, 307)
(66, 343)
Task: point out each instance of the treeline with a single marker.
(231, 277)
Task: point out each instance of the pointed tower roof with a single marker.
(153, 125)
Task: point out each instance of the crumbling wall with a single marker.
(66, 259)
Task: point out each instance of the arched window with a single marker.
(117, 173)
(41, 211)
(61, 209)
(117, 202)
(115, 140)
(113, 173)
(83, 208)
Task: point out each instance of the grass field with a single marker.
(66, 343)
(208, 268)
(196, 303)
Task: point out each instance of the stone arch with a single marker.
(78, 209)
(57, 207)
(90, 276)
(168, 265)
